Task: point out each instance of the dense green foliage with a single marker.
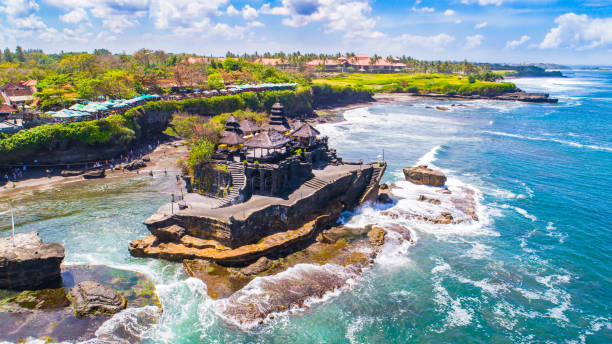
(420, 83)
(152, 118)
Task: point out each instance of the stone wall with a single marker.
(346, 190)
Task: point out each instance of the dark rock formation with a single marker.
(527, 97)
(94, 174)
(423, 198)
(262, 264)
(31, 264)
(384, 198)
(89, 298)
(424, 175)
(134, 165)
(170, 233)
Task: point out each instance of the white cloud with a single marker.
(449, 13)
(516, 43)
(483, 2)
(458, 21)
(578, 31)
(348, 16)
(232, 11)
(75, 16)
(435, 43)
(185, 16)
(116, 15)
(423, 9)
(18, 8)
(255, 23)
(481, 25)
(473, 41)
(249, 12)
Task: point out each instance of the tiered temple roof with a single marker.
(231, 138)
(305, 131)
(248, 127)
(278, 121)
(231, 124)
(269, 139)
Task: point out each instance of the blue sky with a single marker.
(570, 32)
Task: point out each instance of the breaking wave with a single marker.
(564, 142)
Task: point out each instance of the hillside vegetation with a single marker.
(152, 118)
(419, 83)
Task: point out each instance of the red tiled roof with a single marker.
(6, 109)
(270, 61)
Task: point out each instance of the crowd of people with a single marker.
(14, 174)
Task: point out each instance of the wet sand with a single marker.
(163, 158)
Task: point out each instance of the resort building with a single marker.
(359, 63)
(18, 92)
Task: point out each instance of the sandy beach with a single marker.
(162, 159)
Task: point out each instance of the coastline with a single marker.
(162, 158)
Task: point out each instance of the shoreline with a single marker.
(162, 158)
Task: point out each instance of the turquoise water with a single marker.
(534, 268)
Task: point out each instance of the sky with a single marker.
(514, 31)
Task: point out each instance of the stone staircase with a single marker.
(371, 190)
(315, 183)
(333, 158)
(238, 183)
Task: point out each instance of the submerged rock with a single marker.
(40, 299)
(30, 264)
(47, 312)
(88, 298)
(423, 198)
(424, 175)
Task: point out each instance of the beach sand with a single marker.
(163, 158)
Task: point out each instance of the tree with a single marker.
(102, 52)
(19, 55)
(8, 55)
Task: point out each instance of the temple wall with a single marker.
(343, 193)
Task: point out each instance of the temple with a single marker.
(267, 190)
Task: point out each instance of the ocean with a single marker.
(535, 267)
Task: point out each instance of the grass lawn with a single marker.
(417, 83)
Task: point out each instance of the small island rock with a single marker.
(424, 175)
(90, 298)
(31, 264)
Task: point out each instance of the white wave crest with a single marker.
(564, 142)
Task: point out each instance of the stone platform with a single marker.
(30, 264)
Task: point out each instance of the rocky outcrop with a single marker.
(134, 165)
(30, 264)
(89, 298)
(377, 236)
(170, 233)
(47, 313)
(94, 174)
(424, 175)
(273, 244)
(262, 264)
